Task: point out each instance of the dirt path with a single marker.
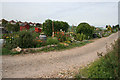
(50, 63)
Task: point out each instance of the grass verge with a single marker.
(105, 67)
(6, 51)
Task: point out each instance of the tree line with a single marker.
(48, 26)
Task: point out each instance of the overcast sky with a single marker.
(95, 13)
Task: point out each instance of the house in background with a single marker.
(38, 27)
(34, 24)
(31, 24)
(24, 26)
(38, 30)
(38, 24)
(12, 22)
(20, 23)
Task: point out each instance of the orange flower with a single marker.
(38, 40)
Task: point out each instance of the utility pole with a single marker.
(52, 29)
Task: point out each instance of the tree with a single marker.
(106, 26)
(4, 22)
(64, 26)
(113, 27)
(39, 25)
(47, 27)
(117, 26)
(61, 25)
(9, 27)
(109, 28)
(16, 27)
(57, 25)
(72, 28)
(86, 29)
(13, 27)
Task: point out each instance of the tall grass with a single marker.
(107, 66)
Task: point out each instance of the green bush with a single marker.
(11, 43)
(11, 40)
(106, 34)
(86, 29)
(61, 36)
(52, 40)
(98, 35)
(80, 37)
(13, 27)
(25, 39)
(35, 34)
(40, 43)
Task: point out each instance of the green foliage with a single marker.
(57, 25)
(60, 25)
(61, 36)
(109, 28)
(13, 27)
(106, 67)
(52, 40)
(106, 26)
(64, 26)
(11, 43)
(80, 37)
(98, 35)
(62, 47)
(25, 39)
(4, 22)
(6, 51)
(47, 26)
(40, 43)
(34, 34)
(57, 48)
(11, 40)
(106, 34)
(86, 29)
(72, 28)
(116, 27)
